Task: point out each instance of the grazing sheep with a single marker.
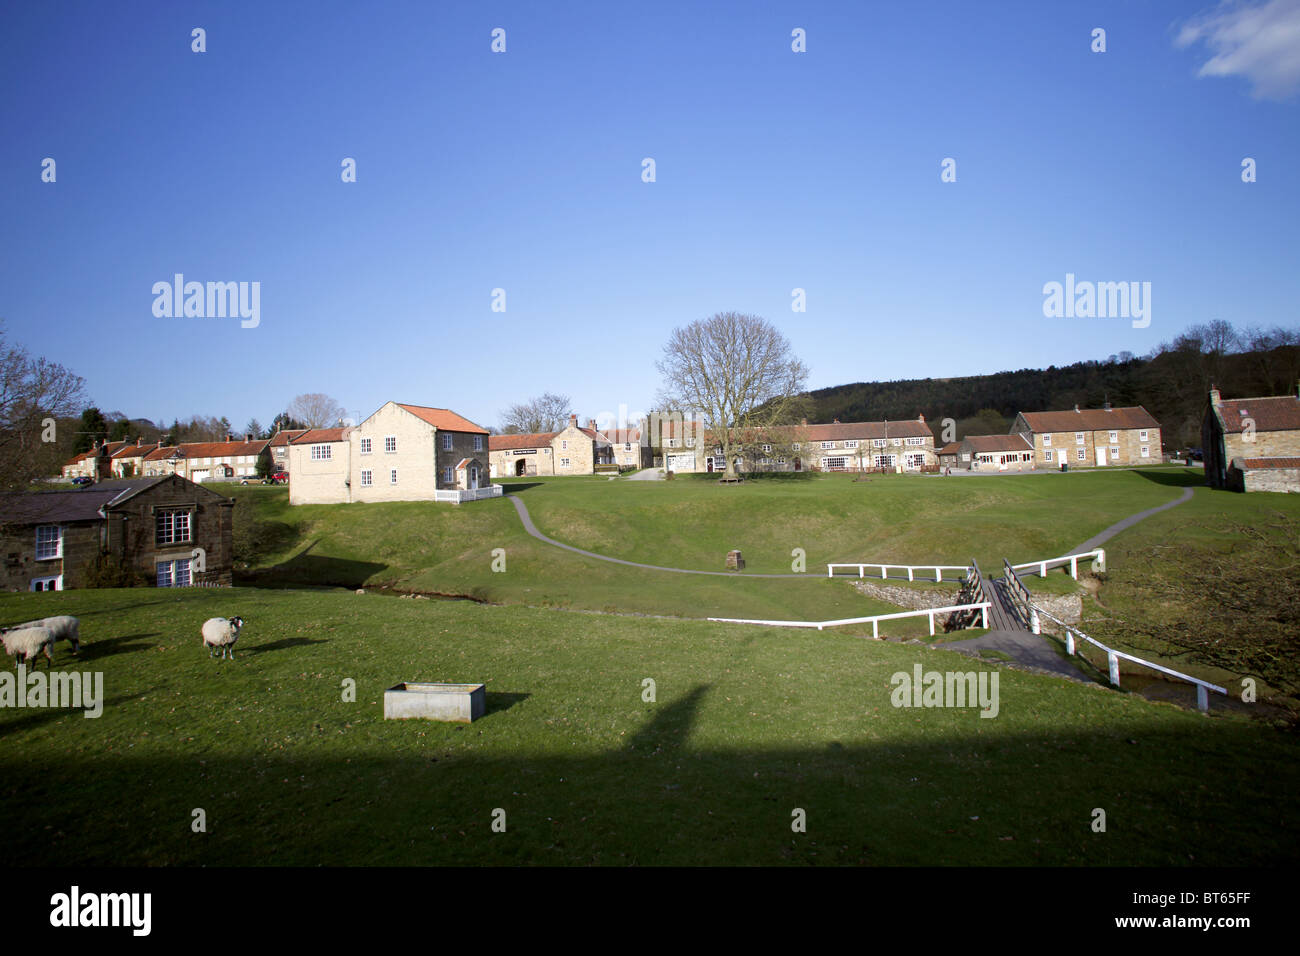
(63, 626)
(24, 643)
(222, 633)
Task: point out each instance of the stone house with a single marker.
(400, 453)
(1092, 437)
(627, 449)
(1247, 443)
(165, 530)
(885, 446)
(279, 448)
(570, 451)
(83, 465)
(228, 460)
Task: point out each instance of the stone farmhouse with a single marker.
(1091, 437)
(572, 451)
(400, 453)
(1252, 444)
(165, 530)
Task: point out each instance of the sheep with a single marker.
(24, 643)
(222, 633)
(62, 626)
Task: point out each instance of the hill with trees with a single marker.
(1171, 382)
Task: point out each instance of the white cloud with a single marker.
(1258, 41)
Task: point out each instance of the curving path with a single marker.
(1093, 542)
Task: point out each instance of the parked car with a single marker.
(83, 480)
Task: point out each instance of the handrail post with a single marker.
(985, 611)
(883, 568)
(1202, 698)
(1034, 624)
(875, 629)
(862, 571)
(1114, 667)
(1074, 567)
(909, 572)
(1069, 643)
(932, 623)
(1042, 569)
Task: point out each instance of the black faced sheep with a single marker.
(222, 633)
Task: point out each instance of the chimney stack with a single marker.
(229, 437)
(1215, 398)
(591, 423)
(248, 436)
(573, 421)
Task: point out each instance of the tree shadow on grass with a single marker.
(1193, 477)
(309, 569)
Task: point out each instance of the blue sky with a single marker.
(775, 170)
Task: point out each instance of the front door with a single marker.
(1101, 456)
(798, 465)
(521, 466)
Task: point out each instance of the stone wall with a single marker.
(1272, 479)
(1068, 607)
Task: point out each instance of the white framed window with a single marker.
(367, 477)
(896, 442)
(392, 477)
(834, 462)
(627, 446)
(690, 443)
(1081, 455)
(1114, 454)
(1146, 451)
(767, 448)
(321, 452)
(915, 441)
(448, 475)
(877, 443)
(1114, 437)
(49, 542)
(1078, 438)
(54, 583)
(390, 444)
(915, 462)
(1047, 440)
(564, 444)
(173, 574)
(672, 442)
(1142, 436)
(795, 446)
(446, 441)
(851, 443)
(828, 444)
(885, 461)
(171, 527)
(564, 463)
(478, 442)
(1047, 455)
(780, 461)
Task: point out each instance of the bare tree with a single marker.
(547, 413)
(738, 373)
(316, 410)
(34, 395)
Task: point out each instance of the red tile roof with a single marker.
(621, 436)
(166, 451)
(285, 436)
(443, 418)
(952, 448)
(1281, 413)
(503, 442)
(1278, 462)
(1090, 420)
(318, 436)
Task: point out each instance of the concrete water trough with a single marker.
(461, 703)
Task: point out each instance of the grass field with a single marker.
(749, 724)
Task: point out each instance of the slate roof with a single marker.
(83, 504)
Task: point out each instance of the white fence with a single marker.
(1113, 657)
(1097, 556)
(457, 495)
(874, 621)
(911, 569)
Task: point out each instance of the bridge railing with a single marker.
(874, 620)
(1021, 594)
(1097, 556)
